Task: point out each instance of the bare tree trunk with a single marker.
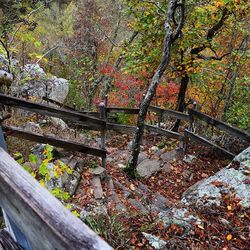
(169, 39)
(181, 99)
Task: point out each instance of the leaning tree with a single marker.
(173, 25)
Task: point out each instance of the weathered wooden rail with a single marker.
(197, 138)
(45, 222)
(69, 115)
(194, 114)
(86, 121)
(69, 145)
(89, 120)
(220, 125)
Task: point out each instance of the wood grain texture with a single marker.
(42, 218)
(122, 110)
(221, 125)
(169, 113)
(121, 128)
(164, 132)
(206, 142)
(69, 145)
(73, 116)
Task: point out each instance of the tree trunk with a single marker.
(181, 99)
(169, 39)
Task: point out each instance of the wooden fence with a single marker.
(194, 114)
(188, 133)
(84, 120)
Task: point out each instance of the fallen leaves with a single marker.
(229, 237)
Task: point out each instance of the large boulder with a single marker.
(35, 82)
(235, 178)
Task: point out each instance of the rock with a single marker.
(73, 179)
(33, 71)
(3, 62)
(100, 171)
(169, 156)
(209, 191)
(147, 167)
(142, 156)
(38, 150)
(154, 241)
(167, 168)
(6, 78)
(58, 89)
(138, 205)
(189, 158)
(161, 202)
(179, 216)
(33, 127)
(113, 197)
(36, 83)
(97, 187)
(58, 123)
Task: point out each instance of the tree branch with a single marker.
(212, 32)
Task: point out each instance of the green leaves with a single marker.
(19, 157)
(33, 158)
(60, 194)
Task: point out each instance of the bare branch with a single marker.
(49, 51)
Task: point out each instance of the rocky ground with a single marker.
(182, 201)
(191, 200)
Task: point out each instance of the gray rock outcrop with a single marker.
(234, 178)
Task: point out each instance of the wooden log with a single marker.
(122, 110)
(75, 117)
(169, 113)
(69, 145)
(221, 125)
(42, 218)
(206, 142)
(164, 132)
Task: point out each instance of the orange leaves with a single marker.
(229, 237)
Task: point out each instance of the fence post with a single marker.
(106, 105)
(190, 128)
(160, 118)
(102, 107)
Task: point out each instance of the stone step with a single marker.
(97, 187)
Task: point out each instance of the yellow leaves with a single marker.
(42, 182)
(229, 237)
(219, 3)
(229, 208)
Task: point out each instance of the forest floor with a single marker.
(131, 208)
(127, 213)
